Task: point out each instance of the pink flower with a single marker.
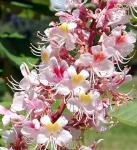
(67, 17)
(54, 73)
(9, 116)
(49, 133)
(98, 62)
(73, 81)
(62, 35)
(84, 103)
(30, 78)
(119, 44)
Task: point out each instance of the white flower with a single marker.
(54, 132)
(74, 81)
(18, 101)
(119, 44)
(54, 73)
(62, 35)
(84, 103)
(30, 78)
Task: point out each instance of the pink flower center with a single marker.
(120, 39)
(59, 71)
(99, 57)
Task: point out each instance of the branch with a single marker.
(93, 29)
(59, 112)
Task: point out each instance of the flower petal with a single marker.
(84, 73)
(42, 139)
(24, 70)
(62, 121)
(18, 102)
(63, 138)
(104, 69)
(71, 71)
(45, 120)
(6, 120)
(72, 105)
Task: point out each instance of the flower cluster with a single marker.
(80, 68)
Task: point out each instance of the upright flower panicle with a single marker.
(80, 68)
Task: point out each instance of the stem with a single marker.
(93, 29)
(59, 112)
(92, 34)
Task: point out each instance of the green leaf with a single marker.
(16, 48)
(37, 7)
(126, 114)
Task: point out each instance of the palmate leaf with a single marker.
(37, 7)
(126, 114)
(16, 48)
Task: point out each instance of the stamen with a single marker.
(14, 86)
(120, 60)
(42, 36)
(132, 12)
(12, 83)
(117, 63)
(35, 50)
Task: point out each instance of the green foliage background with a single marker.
(19, 22)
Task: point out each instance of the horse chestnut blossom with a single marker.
(79, 73)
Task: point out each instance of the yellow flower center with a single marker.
(77, 79)
(85, 98)
(64, 27)
(53, 128)
(45, 56)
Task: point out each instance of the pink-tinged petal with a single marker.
(6, 120)
(30, 104)
(25, 84)
(71, 71)
(104, 69)
(45, 120)
(84, 73)
(34, 78)
(73, 105)
(3, 110)
(70, 43)
(36, 123)
(72, 26)
(96, 49)
(44, 77)
(79, 89)
(63, 90)
(64, 138)
(18, 102)
(24, 70)
(84, 60)
(29, 132)
(95, 94)
(53, 62)
(42, 139)
(131, 37)
(85, 85)
(62, 121)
